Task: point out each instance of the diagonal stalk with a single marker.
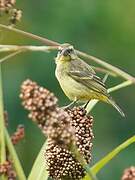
(83, 162)
(39, 169)
(18, 49)
(92, 103)
(14, 157)
(46, 41)
(4, 137)
(101, 163)
(10, 56)
(8, 48)
(2, 125)
(112, 68)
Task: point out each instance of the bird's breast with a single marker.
(71, 88)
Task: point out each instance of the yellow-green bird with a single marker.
(78, 80)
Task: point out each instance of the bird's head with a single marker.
(66, 52)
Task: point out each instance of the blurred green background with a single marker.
(105, 29)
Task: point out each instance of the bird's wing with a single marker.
(84, 74)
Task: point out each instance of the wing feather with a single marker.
(83, 73)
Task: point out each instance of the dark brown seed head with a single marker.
(62, 163)
(63, 128)
(59, 129)
(82, 124)
(60, 160)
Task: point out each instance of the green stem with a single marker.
(105, 71)
(13, 48)
(83, 162)
(14, 157)
(39, 169)
(30, 35)
(112, 68)
(10, 56)
(82, 54)
(120, 86)
(2, 125)
(4, 133)
(114, 88)
(100, 164)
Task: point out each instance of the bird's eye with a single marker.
(60, 50)
(70, 50)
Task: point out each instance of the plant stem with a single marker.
(112, 68)
(2, 125)
(102, 70)
(14, 157)
(39, 169)
(4, 134)
(82, 54)
(18, 49)
(10, 56)
(92, 103)
(100, 164)
(83, 162)
(30, 35)
(119, 86)
(7, 48)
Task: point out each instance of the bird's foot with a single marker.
(69, 106)
(85, 105)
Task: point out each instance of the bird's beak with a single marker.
(65, 53)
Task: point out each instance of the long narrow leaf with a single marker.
(39, 171)
(14, 157)
(99, 165)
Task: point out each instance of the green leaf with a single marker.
(39, 171)
(100, 164)
(14, 157)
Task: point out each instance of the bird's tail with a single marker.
(112, 102)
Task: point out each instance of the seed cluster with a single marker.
(7, 169)
(63, 128)
(38, 100)
(61, 163)
(59, 129)
(8, 7)
(82, 124)
(18, 135)
(42, 105)
(5, 5)
(129, 174)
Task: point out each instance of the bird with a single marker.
(78, 79)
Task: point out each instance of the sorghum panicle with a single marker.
(38, 100)
(82, 124)
(61, 163)
(42, 105)
(63, 128)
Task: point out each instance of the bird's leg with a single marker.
(85, 106)
(71, 104)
